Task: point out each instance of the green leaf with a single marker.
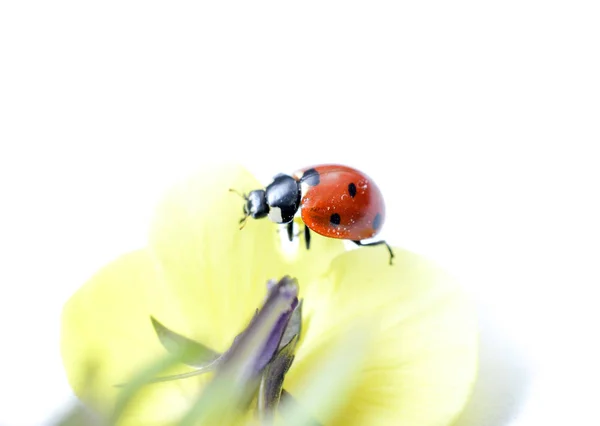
(189, 351)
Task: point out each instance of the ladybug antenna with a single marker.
(244, 196)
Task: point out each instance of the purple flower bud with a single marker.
(258, 344)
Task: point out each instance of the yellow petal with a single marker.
(208, 264)
(215, 271)
(107, 337)
(201, 277)
(422, 363)
(307, 265)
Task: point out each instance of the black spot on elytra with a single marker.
(377, 222)
(352, 190)
(335, 219)
(311, 177)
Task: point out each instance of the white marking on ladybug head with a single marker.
(275, 215)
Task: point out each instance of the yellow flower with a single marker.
(203, 278)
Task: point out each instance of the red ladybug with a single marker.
(334, 201)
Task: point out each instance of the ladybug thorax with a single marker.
(283, 198)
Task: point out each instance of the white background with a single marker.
(477, 119)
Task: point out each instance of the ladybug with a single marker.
(335, 201)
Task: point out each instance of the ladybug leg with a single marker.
(377, 243)
(287, 226)
(307, 236)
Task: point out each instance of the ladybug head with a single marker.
(256, 204)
